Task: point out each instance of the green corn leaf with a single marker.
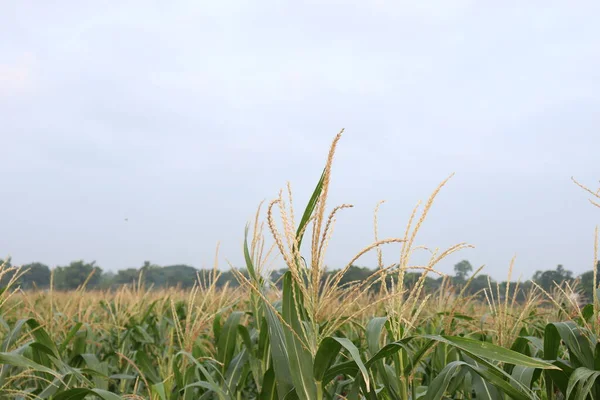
(210, 386)
(42, 337)
(17, 360)
(217, 325)
(299, 358)
(581, 383)
(587, 312)
(233, 376)
(326, 355)
(81, 393)
(227, 340)
(355, 355)
(248, 259)
(269, 387)
(310, 208)
(389, 350)
(101, 370)
(52, 388)
(348, 368)
(279, 353)
(246, 339)
(72, 332)
(482, 388)
(491, 351)
(41, 348)
(13, 335)
(373, 334)
(416, 357)
(581, 351)
(441, 382)
(526, 376)
(146, 367)
(140, 335)
(123, 376)
(210, 382)
(291, 395)
(159, 391)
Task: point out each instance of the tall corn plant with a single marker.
(301, 347)
(311, 360)
(574, 346)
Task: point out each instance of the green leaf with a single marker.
(269, 388)
(326, 355)
(354, 353)
(81, 393)
(310, 208)
(439, 385)
(139, 334)
(158, 390)
(235, 370)
(228, 339)
(558, 378)
(279, 353)
(588, 312)
(147, 367)
(42, 337)
(72, 332)
(17, 360)
(210, 383)
(581, 351)
(525, 375)
(581, 382)
(299, 358)
(217, 325)
(13, 335)
(101, 369)
(491, 351)
(248, 259)
(210, 386)
(373, 334)
(348, 368)
(389, 378)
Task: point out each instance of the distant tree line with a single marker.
(79, 273)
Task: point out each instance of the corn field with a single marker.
(308, 338)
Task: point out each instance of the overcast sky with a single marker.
(182, 116)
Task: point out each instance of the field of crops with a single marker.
(307, 338)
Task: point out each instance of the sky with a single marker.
(146, 130)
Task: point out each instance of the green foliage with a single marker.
(462, 270)
(547, 279)
(587, 283)
(37, 276)
(76, 274)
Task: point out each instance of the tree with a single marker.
(225, 277)
(479, 283)
(587, 282)
(547, 279)
(353, 274)
(180, 275)
(76, 274)
(37, 275)
(5, 262)
(126, 276)
(462, 270)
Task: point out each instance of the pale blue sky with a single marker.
(182, 116)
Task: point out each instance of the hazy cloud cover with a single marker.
(182, 116)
